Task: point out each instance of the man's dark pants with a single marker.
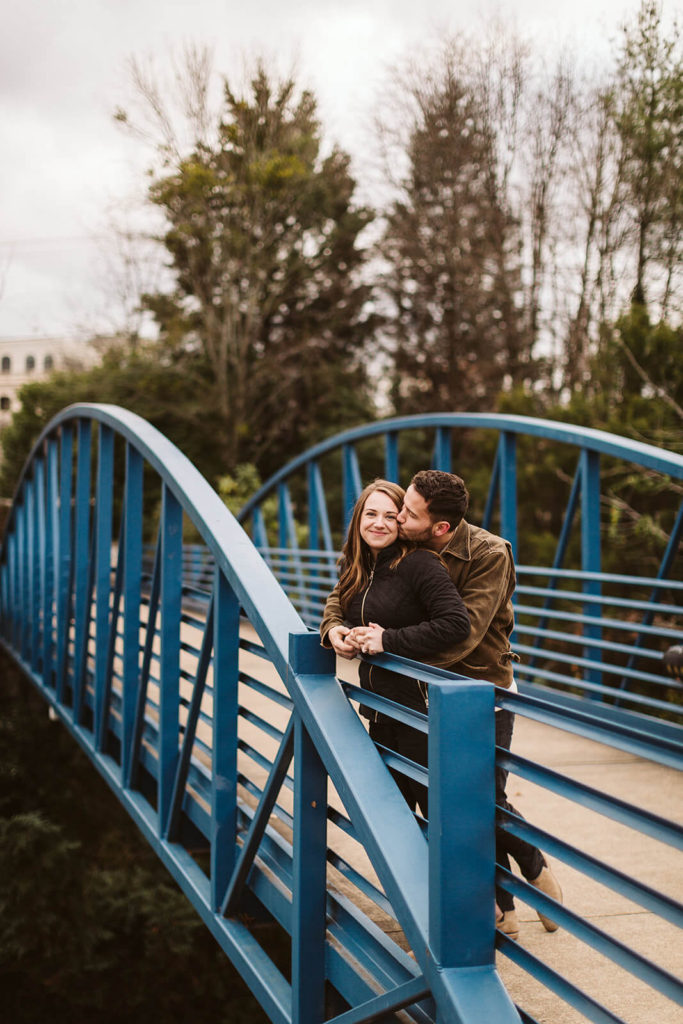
(413, 744)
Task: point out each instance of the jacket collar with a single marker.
(460, 543)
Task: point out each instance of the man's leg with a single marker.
(531, 861)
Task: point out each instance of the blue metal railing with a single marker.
(198, 692)
(579, 629)
(217, 720)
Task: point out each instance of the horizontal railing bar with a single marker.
(650, 725)
(360, 882)
(635, 963)
(582, 641)
(342, 822)
(396, 999)
(662, 749)
(582, 574)
(260, 723)
(262, 761)
(570, 993)
(625, 625)
(612, 807)
(314, 553)
(388, 707)
(652, 900)
(402, 764)
(257, 792)
(267, 691)
(589, 663)
(623, 696)
(253, 648)
(580, 597)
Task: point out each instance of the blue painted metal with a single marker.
(508, 488)
(224, 725)
(169, 668)
(309, 883)
(466, 837)
(600, 668)
(158, 687)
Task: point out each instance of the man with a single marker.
(482, 567)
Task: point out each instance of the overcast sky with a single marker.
(63, 70)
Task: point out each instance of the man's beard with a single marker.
(419, 538)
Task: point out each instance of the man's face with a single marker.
(414, 520)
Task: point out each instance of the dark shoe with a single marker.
(547, 883)
(507, 923)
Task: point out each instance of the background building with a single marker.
(25, 359)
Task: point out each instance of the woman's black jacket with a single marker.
(421, 611)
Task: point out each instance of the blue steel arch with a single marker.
(621, 645)
(111, 641)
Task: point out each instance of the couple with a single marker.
(418, 580)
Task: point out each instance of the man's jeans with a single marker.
(528, 857)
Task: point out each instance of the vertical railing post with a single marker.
(288, 541)
(39, 567)
(169, 650)
(224, 745)
(313, 506)
(508, 489)
(132, 574)
(103, 585)
(590, 554)
(461, 824)
(351, 482)
(391, 455)
(81, 558)
(309, 891)
(51, 546)
(64, 557)
(26, 521)
(442, 449)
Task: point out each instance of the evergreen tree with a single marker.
(268, 305)
(451, 248)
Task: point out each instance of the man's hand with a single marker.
(367, 639)
(345, 648)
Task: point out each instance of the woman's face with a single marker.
(378, 521)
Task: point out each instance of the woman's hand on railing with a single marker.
(368, 639)
(341, 644)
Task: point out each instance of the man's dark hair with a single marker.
(445, 494)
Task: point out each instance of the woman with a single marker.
(396, 598)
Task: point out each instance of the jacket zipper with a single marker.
(375, 716)
(362, 607)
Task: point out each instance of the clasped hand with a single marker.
(361, 639)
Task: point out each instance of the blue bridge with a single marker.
(179, 646)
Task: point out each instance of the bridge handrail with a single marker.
(600, 441)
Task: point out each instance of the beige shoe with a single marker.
(548, 884)
(507, 923)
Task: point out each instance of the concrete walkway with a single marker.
(639, 782)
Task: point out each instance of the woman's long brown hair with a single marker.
(356, 558)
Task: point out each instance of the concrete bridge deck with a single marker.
(637, 781)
